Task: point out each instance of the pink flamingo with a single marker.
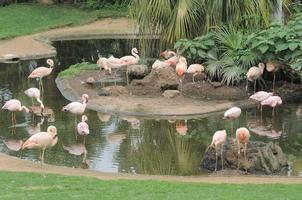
(77, 108)
(242, 137)
(158, 64)
(272, 101)
(260, 96)
(168, 54)
(83, 128)
(181, 68)
(232, 114)
(181, 127)
(41, 72)
(130, 60)
(42, 140)
(195, 69)
(253, 74)
(273, 66)
(218, 141)
(14, 105)
(34, 93)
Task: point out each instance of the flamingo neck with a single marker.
(24, 108)
(134, 54)
(41, 103)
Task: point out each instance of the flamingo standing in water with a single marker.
(35, 93)
(168, 54)
(83, 128)
(253, 74)
(232, 114)
(272, 101)
(260, 96)
(181, 68)
(42, 140)
(273, 66)
(77, 108)
(130, 60)
(14, 105)
(195, 69)
(41, 72)
(242, 137)
(218, 141)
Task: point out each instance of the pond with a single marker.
(130, 144)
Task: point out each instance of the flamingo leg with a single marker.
(221, 157)
(194, 77)
(274, 82)
(232, 126)
(42, 161)
(75, 127)
(32, 101)
(247, 84)
(255, 82)
(84, 141)
(127, 76)
(238, 156)
(245, 158)
(216, 155)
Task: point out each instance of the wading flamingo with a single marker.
(272, 101)
(41, 72)
(242, 137)
(83, 128)
(253, 74)
(273, 66)
(42, 140)
(77, 108)
(260, 96)
(14, 105)
(181, 68)
(218, 141)
(232, 114)
(195, 69)
(130, 60)
(167, 54)
(35, 93)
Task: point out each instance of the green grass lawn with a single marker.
(34, 186)
(76, 69)
(16, 20)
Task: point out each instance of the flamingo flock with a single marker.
(43, 140)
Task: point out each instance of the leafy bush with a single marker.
(98, 4)
(229, 53)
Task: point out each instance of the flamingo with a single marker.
(218, 141)
(42, 140)
(14, 145)
(181, 127)
(158, 64)
(83, 128)
(45, 112)
(110, 63)
(195, 69)
(35, 93)
(41, 72)
(242, 137)
(77, 108)
(14, 105)
(33, 129)
(253, 74)
(260, 96)
(168, 54)
(181, 68)
(273, 66)
(272, 101)
(130, 60)
(232, 114)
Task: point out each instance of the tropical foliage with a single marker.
(98, 4)
(175, 19)
(229, 53)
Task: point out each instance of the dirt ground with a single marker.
(9, 163)
(39, 45)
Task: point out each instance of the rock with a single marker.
(9, 58)
(137, 71)
(205, 90)
(90, 81)
(171, 94)
(114, 91)
(262, 158)
(160, 80)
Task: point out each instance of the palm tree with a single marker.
(175, 19)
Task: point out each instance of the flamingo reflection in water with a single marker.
(77, 150)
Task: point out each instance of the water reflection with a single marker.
(128, 143)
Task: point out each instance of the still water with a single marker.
(129, 144)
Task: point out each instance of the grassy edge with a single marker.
(76, 69)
